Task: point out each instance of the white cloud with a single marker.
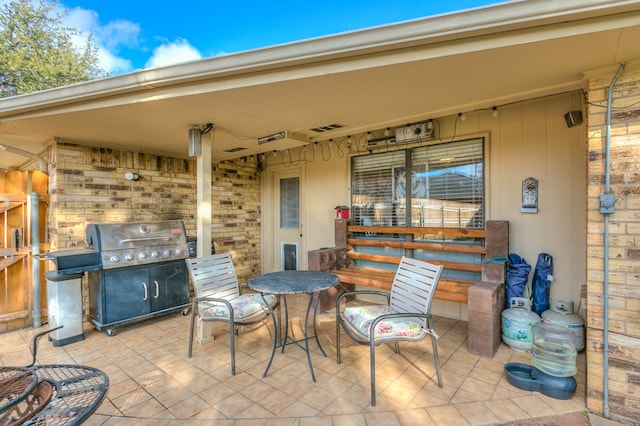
(173, 53)
(107, 38)
(119, 32)
(112, 63)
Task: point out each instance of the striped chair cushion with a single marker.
(244, 306)
(361, 317)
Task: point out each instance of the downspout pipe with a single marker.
(607, 207)
(35, 255)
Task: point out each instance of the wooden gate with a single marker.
(16, 281)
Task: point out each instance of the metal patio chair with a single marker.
(405, 317)
(218, 298)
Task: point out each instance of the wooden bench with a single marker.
(368, 256)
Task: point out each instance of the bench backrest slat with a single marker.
(419, 245)
(395, 260)
(454, 232)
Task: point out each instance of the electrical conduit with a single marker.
(607, 184)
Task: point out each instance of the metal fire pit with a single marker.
(142, 272)
(53, 394)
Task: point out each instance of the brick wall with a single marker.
(88, 185)
(235, 218)
(624, 262)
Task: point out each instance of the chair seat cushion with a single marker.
(244, 306)
(360, 319)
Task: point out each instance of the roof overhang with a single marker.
(375, 78)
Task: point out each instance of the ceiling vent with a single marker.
(414, 133)
(236, 149)
(327, 128)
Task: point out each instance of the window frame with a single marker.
(397, 220)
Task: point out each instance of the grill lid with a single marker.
(138, 243)
(117, 236)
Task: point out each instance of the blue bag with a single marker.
(542, 277)
(517, 276)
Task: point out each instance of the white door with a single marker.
(287, 219)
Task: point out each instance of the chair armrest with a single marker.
(384, 294)
(211, 299)
(402, 315)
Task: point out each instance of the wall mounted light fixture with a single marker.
(206, 129)
(573, 118)
(132, 176)
(195, 142)
(271, 138)
(195, 139)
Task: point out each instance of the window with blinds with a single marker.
(445, 186)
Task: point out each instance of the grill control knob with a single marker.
(178, 252)
(114, 258)
(155, 253)
(142, 255)
(128, 257)
(167, 253)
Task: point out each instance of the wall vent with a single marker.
(236, 149)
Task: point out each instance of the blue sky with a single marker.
(136, 34)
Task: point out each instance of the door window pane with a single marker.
(289, 256)
(290, 203)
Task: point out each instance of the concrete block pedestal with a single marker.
(486, 302)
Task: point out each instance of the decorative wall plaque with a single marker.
(529, 195)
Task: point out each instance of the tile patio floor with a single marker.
(153, 382)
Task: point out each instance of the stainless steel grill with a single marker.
(142, 272)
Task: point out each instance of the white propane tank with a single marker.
(561, 313)
(517, 322)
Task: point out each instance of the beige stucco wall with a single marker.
(623, 294)
(526, 139)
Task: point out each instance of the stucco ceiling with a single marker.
(366, 80)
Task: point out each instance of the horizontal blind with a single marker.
(445, 187)
(371, 187)
(452, 175)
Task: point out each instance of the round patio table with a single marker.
(294, 282)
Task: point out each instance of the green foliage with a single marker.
(37, 52)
